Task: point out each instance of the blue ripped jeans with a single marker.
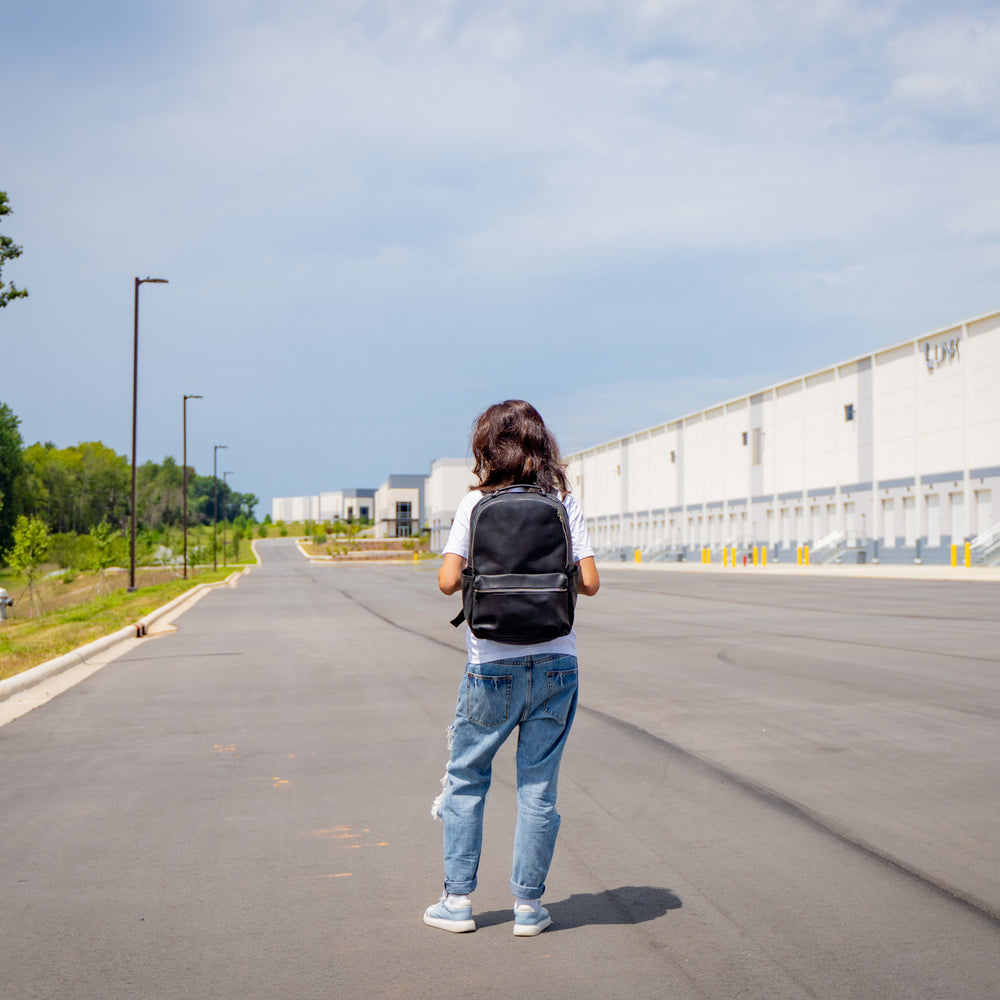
(536, 695)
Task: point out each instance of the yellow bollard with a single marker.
(954, 555)
(416, 558)
(763, 555)
(725, 558)
(798, 556)
(755, 555)
(638, 555)
(968, 555)
(805, 551)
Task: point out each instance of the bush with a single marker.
(263, 530)
(70, 551)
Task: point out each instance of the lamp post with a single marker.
(185, 476)
(215, 503)
(135, 401)
(225, 518)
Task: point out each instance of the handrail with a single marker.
(987, 540)
(985, 548)
(834, 538)
(829, 547)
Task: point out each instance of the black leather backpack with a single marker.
(520, 583)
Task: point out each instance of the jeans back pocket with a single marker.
(487, 699)
(561, 690)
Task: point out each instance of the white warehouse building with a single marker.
(334, 505)
(404, 505)
(892, 456)
(447, 484)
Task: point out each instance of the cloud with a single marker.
(499, 195)
(948, 65)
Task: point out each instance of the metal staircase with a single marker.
(985, 548)
(829, 548)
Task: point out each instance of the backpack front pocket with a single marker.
(521, 608)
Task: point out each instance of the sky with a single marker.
(377, 217)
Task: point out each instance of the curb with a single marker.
(871, 571)
(36, 675)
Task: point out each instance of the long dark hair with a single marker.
(511, 444)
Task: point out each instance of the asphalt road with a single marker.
(777, 787)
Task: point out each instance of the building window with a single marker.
(849, 411)
(744, 439)
(404, 522)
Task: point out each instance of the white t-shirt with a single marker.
(485, 650)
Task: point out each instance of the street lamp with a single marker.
(224, 519)
(215, 504)
(185, 474)
(135, 399)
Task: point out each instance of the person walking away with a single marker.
(530, 686)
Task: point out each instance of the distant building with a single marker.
(295, 508)
(337, 505)
(893, 456)
(403, 506)
(448, 482)
(399, 506)
(347, 505)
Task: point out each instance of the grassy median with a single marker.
(76, 611)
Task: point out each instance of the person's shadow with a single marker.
(629, 904)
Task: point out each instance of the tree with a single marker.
(249, 502)
(9, 250)
(76, 488)
(106, 541)
(160, 493)
(31, 545)
(12, 474)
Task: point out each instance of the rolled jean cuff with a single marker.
(459, 888)
(526, 891)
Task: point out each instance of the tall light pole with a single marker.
(185, 475)
(135, 401)
(215, 504)
(225, 518)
